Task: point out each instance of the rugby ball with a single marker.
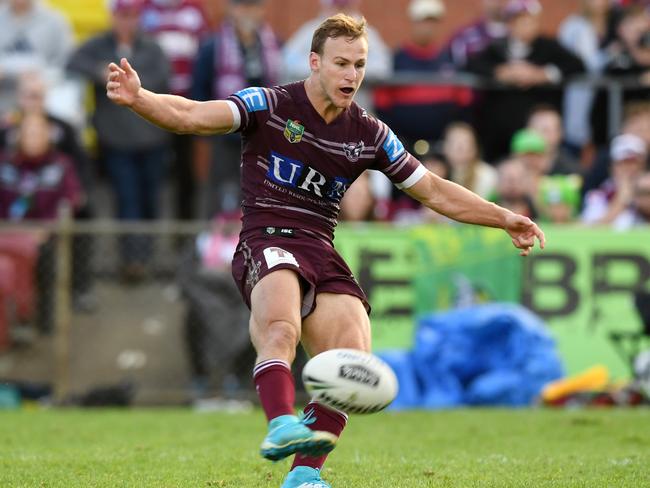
(350, 380)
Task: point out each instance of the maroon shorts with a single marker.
(319, 266)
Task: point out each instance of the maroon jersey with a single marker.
(33, 188)
(296, 167)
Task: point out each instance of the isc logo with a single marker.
(293, 173)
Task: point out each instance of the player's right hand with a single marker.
(523, 232)
(123, 83)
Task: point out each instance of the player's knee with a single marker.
(279, 334)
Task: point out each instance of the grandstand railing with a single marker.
(615, 87)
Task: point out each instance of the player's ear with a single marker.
(314, 61)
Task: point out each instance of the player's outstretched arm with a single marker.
(171, 112)
(458, 203)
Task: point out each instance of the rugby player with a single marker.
(303, 144)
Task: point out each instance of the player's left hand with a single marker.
(523, 232)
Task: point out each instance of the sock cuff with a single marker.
(270, 363)
(334, 414)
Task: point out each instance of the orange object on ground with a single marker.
(595, 378)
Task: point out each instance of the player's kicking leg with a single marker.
(338, 321)
(275, 332)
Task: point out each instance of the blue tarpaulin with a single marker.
(494, 354)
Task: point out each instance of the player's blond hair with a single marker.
(336, 26)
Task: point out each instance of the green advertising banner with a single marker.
(408, 271)
(459, 265)
(582, 284)
(383, 260)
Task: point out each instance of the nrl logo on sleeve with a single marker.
(293, 131)
(353, 150)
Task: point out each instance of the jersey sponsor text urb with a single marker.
(295, 174)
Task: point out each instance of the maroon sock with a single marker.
(275, 387)
(328, 420)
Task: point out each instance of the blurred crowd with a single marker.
(489, 108)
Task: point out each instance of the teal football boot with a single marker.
(289, 434)
(304, 477)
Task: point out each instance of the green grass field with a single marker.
(463, 448)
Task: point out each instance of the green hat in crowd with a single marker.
(527, 141)
(561, 189)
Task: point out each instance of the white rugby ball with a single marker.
(350, 380)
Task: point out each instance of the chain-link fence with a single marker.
(114, 312)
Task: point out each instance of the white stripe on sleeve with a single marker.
(236, 118)
(413, 179)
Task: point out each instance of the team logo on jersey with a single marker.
(353, 150)
(293, 131)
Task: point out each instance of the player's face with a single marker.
(341, 69)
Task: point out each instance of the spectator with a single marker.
(467, 169)
(243, 52)
(296, 50)
(556, 195)
(33, 37)
(178, 26)
(31, 94)
(559, 198)
(547, 122)
(588, 35)
(133, 151)
(421, 111)
(34, 180)
(473, 38)
(559, 188)
(630, 62)
(636, 121)
(529, 146)
(514, 188)
(421, 52)
(639, 211)
(529, 66)
(608, 203)
(63, 138)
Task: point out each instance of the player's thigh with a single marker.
(339, 321)
(276, 298)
